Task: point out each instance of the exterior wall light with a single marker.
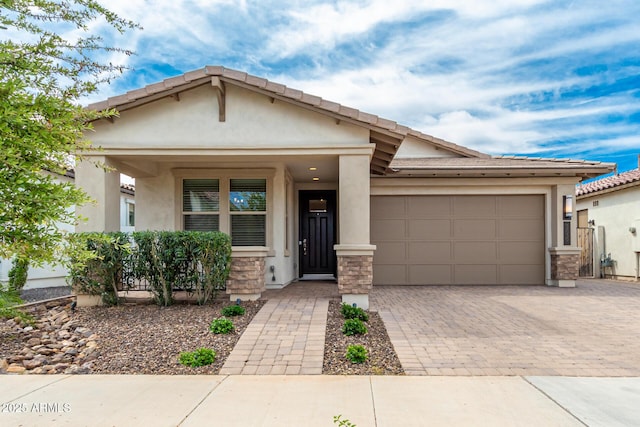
(567, 207)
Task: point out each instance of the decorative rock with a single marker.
(15, 369)
(32, 364)
(58, 344)
(33, 341)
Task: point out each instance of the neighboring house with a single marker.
(610, 206)
(50, 276)
(310, 189)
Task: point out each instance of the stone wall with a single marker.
(355, 274)
(565, 266)
(246, 276)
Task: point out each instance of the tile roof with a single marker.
(610, 182)
(502, 164)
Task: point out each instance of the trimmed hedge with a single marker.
(164, 261)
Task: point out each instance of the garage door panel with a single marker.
(390, 275)
(521, 206)
(475, 229)
(475, 274)
(388, 230)
(520, 253)
(428, 207)
(430, 275)
(421, 229)
(390, 253)
(429, 253)
(526, 229)
(474, 206)
(388, 207)
(521, 275)
(475, 252)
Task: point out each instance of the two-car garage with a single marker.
(458, 240)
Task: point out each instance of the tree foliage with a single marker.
(49, 61)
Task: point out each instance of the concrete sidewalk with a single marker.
(244, 400)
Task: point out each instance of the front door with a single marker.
(317, 232)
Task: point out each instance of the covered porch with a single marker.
(291, 213)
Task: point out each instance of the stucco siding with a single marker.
(252, 120)
(614, 214)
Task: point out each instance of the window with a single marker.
(237, 207)
(131, 214)
(248, 210)
(201, 204)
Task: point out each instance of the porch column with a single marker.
(246, 278)
(103, 187)
(354, 250)
(564, 255)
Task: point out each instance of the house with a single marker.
(55, 275)
(310, 189)
(610, 207)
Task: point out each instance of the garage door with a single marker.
(463, 240)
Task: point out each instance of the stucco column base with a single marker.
(246, 278)
(564, 266)
(355, 273)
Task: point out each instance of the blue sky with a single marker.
(527, 77)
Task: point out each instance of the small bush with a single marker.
(233, 310)
(221, 326)
(349, 312)
(199, 357)
(9, 299)
(18, 274)
(354, 327)
(356, 353)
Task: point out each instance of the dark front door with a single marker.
(317, 232)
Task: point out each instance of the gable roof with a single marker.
(387, 135)
(610, 183)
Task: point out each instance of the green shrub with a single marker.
(192, 261)
(354, 327)
(221, 326)
(356, 353)
(233, 310)
(18, 274)
(100, 261)
(349, 312)
(200, 357)
(8, 300)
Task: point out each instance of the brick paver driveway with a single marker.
(590, 330)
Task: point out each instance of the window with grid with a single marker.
(248, 211)
(201, 204)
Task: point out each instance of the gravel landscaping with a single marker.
(382, 358)
(147, 339)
